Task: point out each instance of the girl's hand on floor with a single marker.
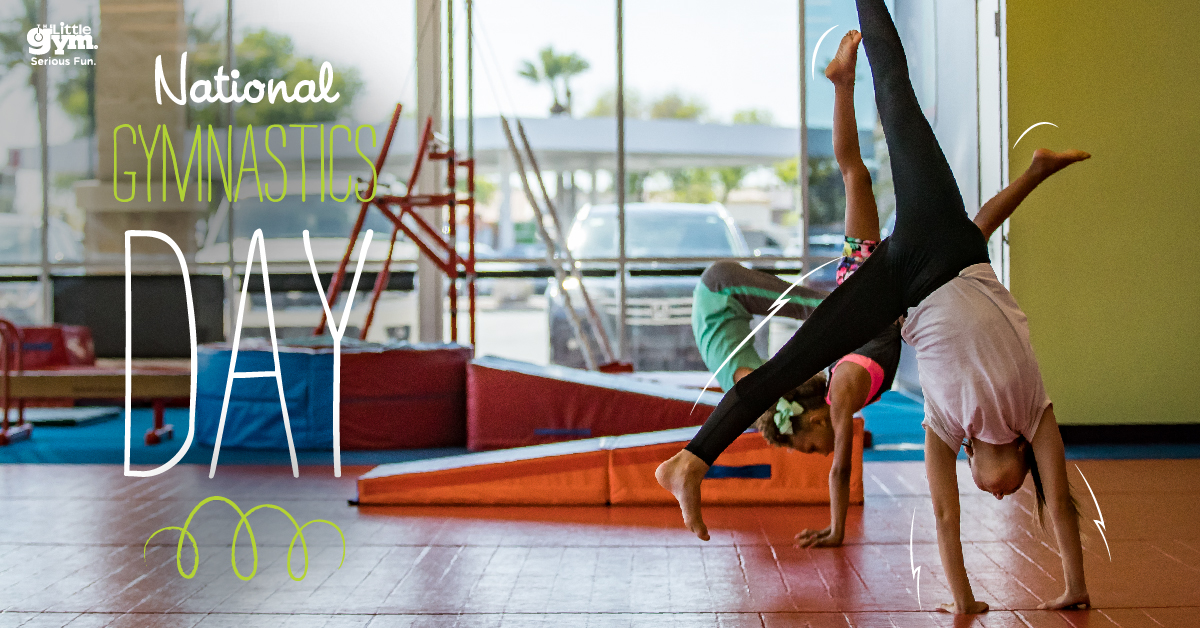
(818, 538)
(1068, 600)
(972, 608)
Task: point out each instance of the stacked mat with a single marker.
(393, 396)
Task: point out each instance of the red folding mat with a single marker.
(516, 404)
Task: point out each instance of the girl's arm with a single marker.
(943, 487)
(1003, 204)
(1052, 467)
(847, 394)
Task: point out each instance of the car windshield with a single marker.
(21, 242)
(290, 217)
(653, 233)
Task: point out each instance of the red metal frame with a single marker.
(441, 250)
(161, 431)
(12, 338)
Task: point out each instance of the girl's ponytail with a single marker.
(1040, 493)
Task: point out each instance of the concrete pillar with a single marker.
(564, 196)
(505, 238)
(135, 32)
(572, 200)
(593, 192)
(430, 281)
(560, 194)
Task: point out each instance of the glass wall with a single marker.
(69, 125)
(372, 71)
(712, 133)
(552, 67)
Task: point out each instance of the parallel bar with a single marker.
(802, 156)
(42, 87)
(231, 289)
(450, 174)
(622, 343)
(561, 243)
(572, 316)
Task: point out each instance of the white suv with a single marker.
(659, 293)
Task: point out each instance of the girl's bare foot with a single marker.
(841, 69)
(681, 475)
(1049, 162)
(1068, 600)
(971, 609)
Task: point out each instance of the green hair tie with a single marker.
(784, 411)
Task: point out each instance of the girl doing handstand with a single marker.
(978, 370)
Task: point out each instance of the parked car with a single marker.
(762, 243)
(659, 306)
(21, 240)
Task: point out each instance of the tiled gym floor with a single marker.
(71, 539)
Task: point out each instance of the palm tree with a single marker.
(554, 69)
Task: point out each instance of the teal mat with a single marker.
(894, 422)
(104, 443)
(895, 426)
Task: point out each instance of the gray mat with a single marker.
(67, 417)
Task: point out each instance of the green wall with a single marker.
(1105, 256)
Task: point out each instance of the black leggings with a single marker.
(933, 241)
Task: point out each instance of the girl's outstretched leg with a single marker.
(862, 215)
(920, 173)
(723, 306)
(933, 239)
(868, 301)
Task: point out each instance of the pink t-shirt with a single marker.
(978, 371)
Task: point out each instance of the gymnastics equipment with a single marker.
(393, 396)
(515, 404)
(400, 210)
(55, 346)
(613, 470)
(58, 364)
(152, 381)
(13, 343)
(558, 254)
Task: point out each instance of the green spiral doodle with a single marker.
(237, 531)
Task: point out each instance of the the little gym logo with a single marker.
(59, 38)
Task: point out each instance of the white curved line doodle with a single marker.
(916, 571)
(1030, 129)
(1099, 522)
(775, 307)
(817, 47)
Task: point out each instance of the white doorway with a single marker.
(992, 87)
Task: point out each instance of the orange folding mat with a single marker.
(610, 470)
(751, 471)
